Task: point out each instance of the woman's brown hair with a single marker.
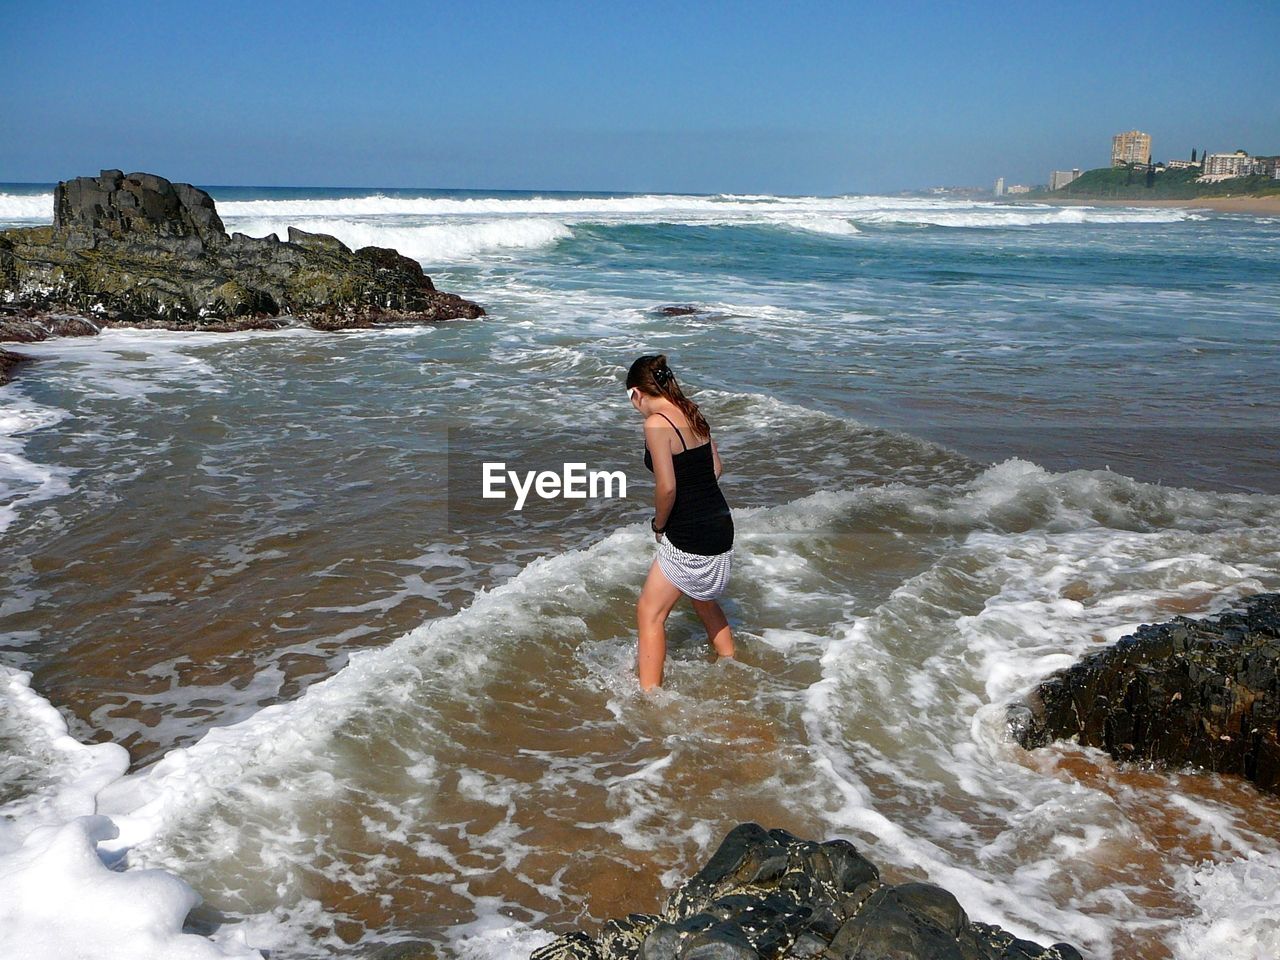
(651, 375)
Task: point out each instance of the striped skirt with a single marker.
(696, 576)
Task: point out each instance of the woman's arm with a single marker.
(715, 456)
(657, 437)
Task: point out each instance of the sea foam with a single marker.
(58, 898)
(920, 654)
(428, 242)
(438, 229)
(1020, 573)
(21, 206)
(1239, 910)
(24, 482)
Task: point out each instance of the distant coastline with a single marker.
(1251, 179)
(1267, 206)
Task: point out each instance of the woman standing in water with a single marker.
(692, 522)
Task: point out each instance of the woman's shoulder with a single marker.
(667, 421)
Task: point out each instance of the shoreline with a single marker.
(1264, 206)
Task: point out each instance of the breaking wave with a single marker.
(428, 242)
(446, 229)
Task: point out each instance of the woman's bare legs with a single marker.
(716, 625)
(656, 601)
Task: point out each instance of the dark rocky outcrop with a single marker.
(139, 205)
(8, 361)
(25, 323)
(138, 250)
(1201, 692)
(765, 894)
(679, 310)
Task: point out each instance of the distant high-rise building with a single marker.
(999, 188)
(1060, 178)
(1238, 164)
(1131, 147)
(1266, 166)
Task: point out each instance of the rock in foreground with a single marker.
(768, 895)
(1201, 692)
(138, 250)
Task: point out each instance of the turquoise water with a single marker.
(1142, 340)
(965, 442)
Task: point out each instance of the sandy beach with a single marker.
(1262, 206)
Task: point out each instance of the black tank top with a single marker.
(700, 521)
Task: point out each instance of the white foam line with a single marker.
(1026, 619)
(25, 206)
(23, 482)
(655, 207)
(652, 207)
(439, 230)
(648, 770)
(57, 897)
(1239, 910)
(984, 898)
(430, 242)
(133, 364)
(179, 783)
(80, 770)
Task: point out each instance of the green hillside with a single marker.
(1121, 183)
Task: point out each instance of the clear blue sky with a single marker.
(699, 97)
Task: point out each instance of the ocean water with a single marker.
(259, 644)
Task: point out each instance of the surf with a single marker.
(382, 736)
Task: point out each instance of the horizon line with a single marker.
(669, 193)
